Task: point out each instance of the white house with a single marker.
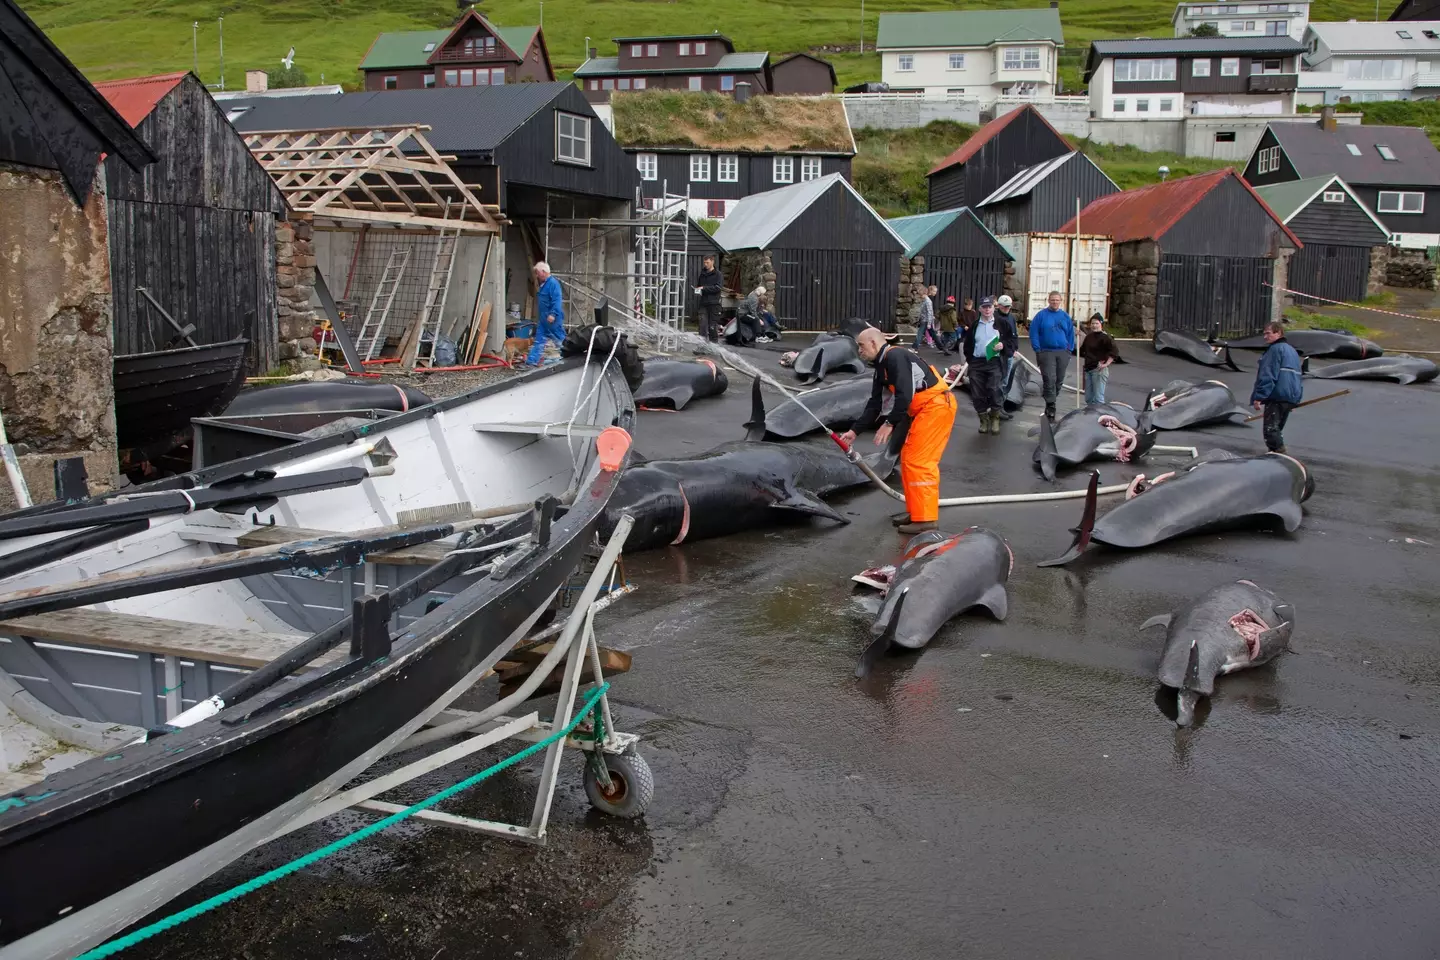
(1233, 19)
(976, 53)
(1169, 79)
(1365, 61)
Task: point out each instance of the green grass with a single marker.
(1385, 298)
(1396, 113)
(667, 118)
(124, 38)
(1302, 319)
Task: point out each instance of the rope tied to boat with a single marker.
(299, 863)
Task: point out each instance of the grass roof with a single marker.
(713, 121)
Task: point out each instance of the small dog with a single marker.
(516, 348)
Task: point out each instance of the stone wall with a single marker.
(1134, 277)
(1013, 286)
(1379, 268)
(750, 269)
(1410, 268)
(294, 284)
(910, 290)
(57, 394)
(1279, 282)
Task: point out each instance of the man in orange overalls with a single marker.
(924, 409)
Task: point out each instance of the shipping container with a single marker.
(1055, 261)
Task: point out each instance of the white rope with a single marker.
(575, 455)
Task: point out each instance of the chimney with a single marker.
(742, 91)
(1054, 4)
(1327, 118)
(593, 52)
(256, 81)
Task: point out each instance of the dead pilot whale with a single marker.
(1400, 367)
(829, 353)
(1216, 491)
(839, 405)
(1194, 403)
(674, 383)
(1097, 431)
(1185, 344)
(737, 486)
(1233, 627)
(938, 577)
(1340, 344)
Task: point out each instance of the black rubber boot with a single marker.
(1049, 411)
(900, 518)
(995, 422)
(919, 527)
(984, 422)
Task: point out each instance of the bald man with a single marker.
(924, 410)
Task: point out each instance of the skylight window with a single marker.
(1385, 152)
(430, 48)
(1354, 150)
(1430, 35)
(1404, 35)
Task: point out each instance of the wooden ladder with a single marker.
(372, 331)
(432, 313)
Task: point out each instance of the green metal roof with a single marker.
(968, 28)
(729, 63)
(919, 230)
(1289, 198)
(407, 49)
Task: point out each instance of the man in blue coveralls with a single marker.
(549, 313)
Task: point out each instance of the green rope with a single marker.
(299, 863)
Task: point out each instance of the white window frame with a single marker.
(1398, 200)
(699, 168)
(1149, 70)
(623, 83)
(637, 50)
(429, 47)
(1022, 59)
(1229, 66)
(649, 166)
(700, 48)
(727, 168)
(639, 84)
(1386, 153)
(1353, 149)
(428, 81)
(1268, 160)
(1142, 104)
(1237, 26)
(1200, 68)
(809, 169)
(579, 134)
(683, 50)
(956, 61)
(1118, 105)
(1334, 196)
(391, 83)
(727, 82)
(905, 62)
(782, 170)
(695, 83)
(608, 83)
(652, 49)
(1167, 105)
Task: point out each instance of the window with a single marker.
(391, 83)
(639, 83)
(1249, 24)
(1404, 35)
(1372, 70)
(957, 61)
(727, 82)
(1213, 25)
(1230, 66)
(1264, 66)
(727, 168)
(684, 49)
(652, 49)
(429, 48)
(1237, 26)
(699, 167)
(1167, 105)
(637, 49)
(1225, 136)
(572, 138)
(648, 165)
(607, 84)
(428, 80)
(715, 209)
(905, 62)
(784, 170)
(1267, 160)
(482, 78)
(452, 78)
(695, 83)
(699, 49)
(1142, 106)
(1276, 28)
(1199, 68)
(1385, 152)
(622, 84)
(1022, 58)
(1430, 35)
(1354, 150)
(1401, 201)
(467, 78)
(1334, 196)
(594, 84)
(497, 77)
(1118, 106)
(809, 168)
(1143, 69)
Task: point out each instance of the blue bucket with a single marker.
(525, 331)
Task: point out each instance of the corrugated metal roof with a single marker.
(407, 48)
(1379, 37)
(761, 217)
(1149, 212)
(967, 28)
(1314, 152)
(920, 229)
(1026, 180)
(461, 119)
(1288, 199)
(730, 63)
(134, 99)
(983, 136)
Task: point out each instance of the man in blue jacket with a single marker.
(1277, 385)
(549, 313)
(1052, 337)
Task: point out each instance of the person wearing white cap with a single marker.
(1003, 305)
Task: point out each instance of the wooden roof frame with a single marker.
(335, 174)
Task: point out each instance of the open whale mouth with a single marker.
(1125, 437)
(1249, 625)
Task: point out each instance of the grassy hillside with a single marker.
(124, 38)
(891, 166)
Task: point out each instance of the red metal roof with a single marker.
(983, 136)
(134, 99)
(1147, 213)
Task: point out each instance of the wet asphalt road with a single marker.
(1014, 790)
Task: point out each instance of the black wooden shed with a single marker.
(196, 229)
(961, 256)
(1343, 238)
(996, 152)
(1039, 199)
(833, 256)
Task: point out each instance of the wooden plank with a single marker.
(154, 635)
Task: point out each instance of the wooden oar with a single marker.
(1328, 396)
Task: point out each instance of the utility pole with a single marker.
(585, 54)
(222, 53)
(542, 12)
(195, 46)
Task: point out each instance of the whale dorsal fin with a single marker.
(1159, 620)
(996, 600)
(1288, 512)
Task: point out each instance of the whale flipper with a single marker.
(996, 600)
(1159, 620)
(881, 644)
(1404, 379)
(1288, 512)
(854, 366)
(1229, 361)
(1086, 528)
(809, 504)
(1047, 454)
(1273, 642)
(755, 426)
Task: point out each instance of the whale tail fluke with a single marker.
(755, 426)
(1086, 528)
(1047, 455)
(1186, 697)
(881, 644)
(1229, 361)
(1304, 365)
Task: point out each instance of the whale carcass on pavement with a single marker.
(938, 577)
(829, 353)
(1232, 627)
(1185, 344)
(1340, 344)
(674, 383)
(1400, 367)
(1194, 403)
(325, 396)
(1217, 491)
(1097, 431)
(839, 405)
(737, 486)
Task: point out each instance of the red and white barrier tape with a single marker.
(1357, 306)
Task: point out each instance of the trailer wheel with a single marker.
(632, 786)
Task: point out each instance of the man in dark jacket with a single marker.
(1052, 337)
(1277, 385)
(708, 285)
(987, 345)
